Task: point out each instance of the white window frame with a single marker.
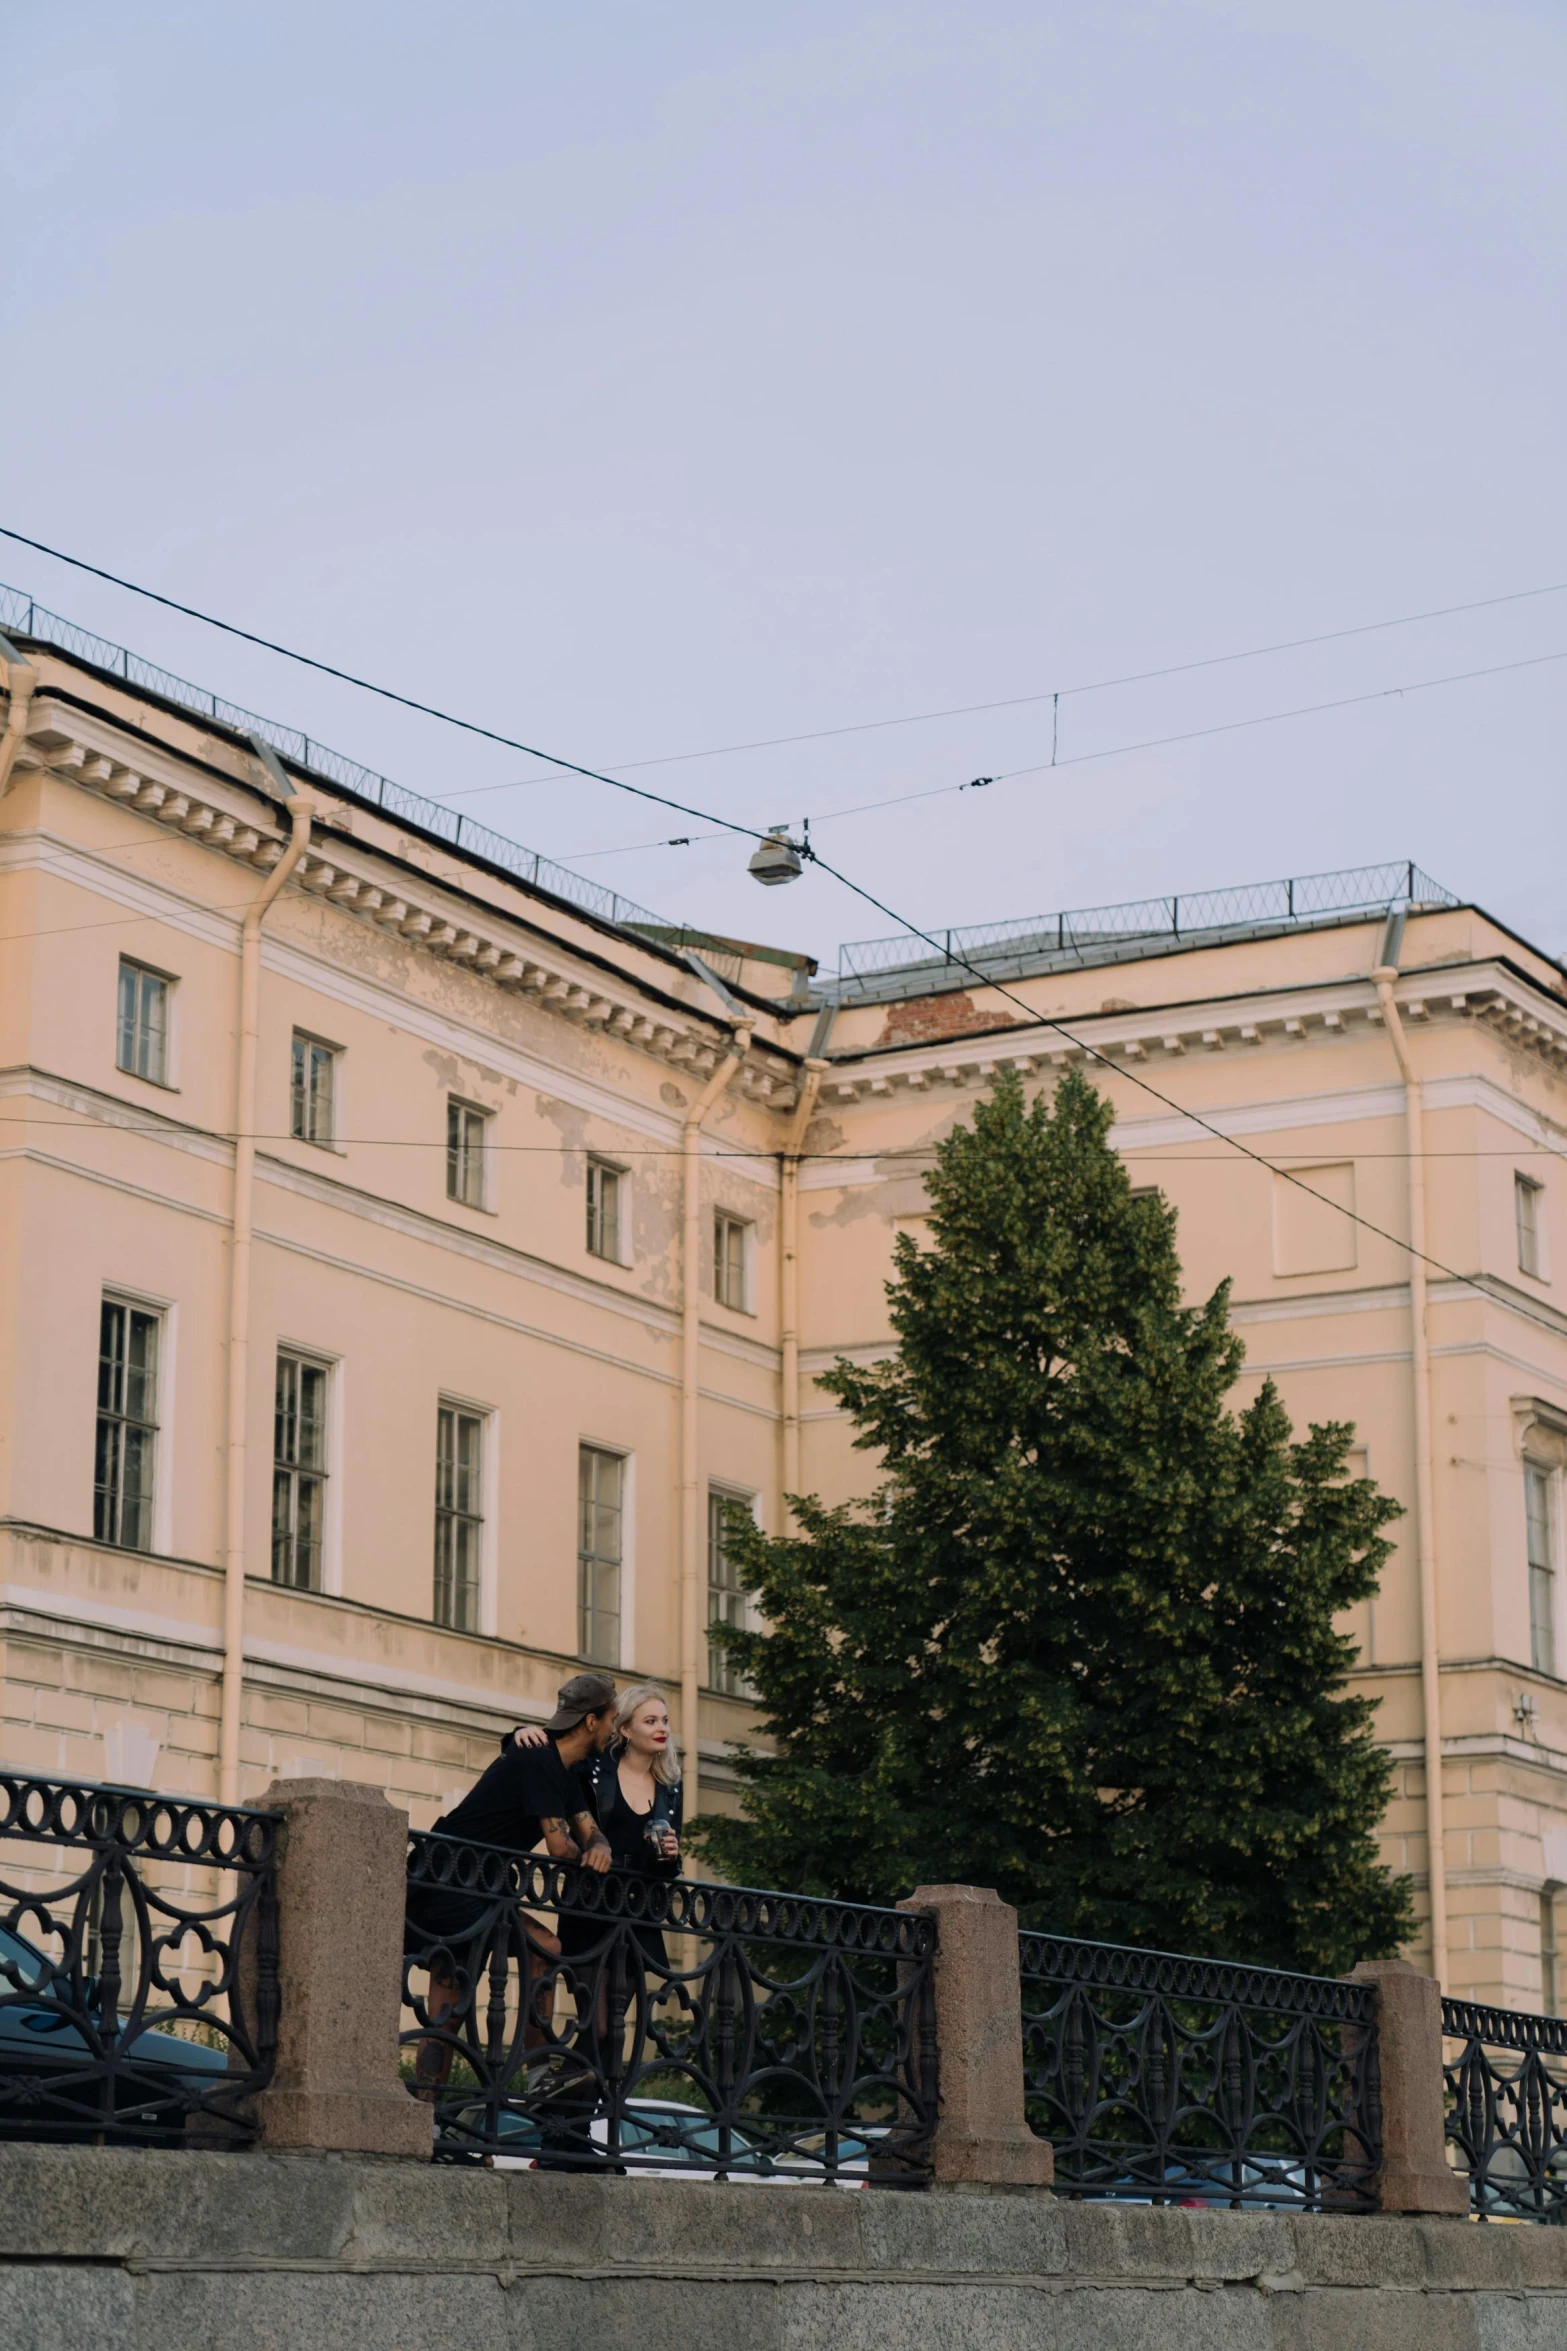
(599, 1163)
(489, 1492)
(1529, 1225)
(1550, 1484)
(747, 1231)
(165, 1079)
(628, 1549)
(1551, 1983)
(328, 1141)
(317, 1359)
(479, 1152)
(162, 1311)
(718, 1490)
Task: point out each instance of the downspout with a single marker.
(789, 1261)
(1382, 980)
(693, 1642)
(301, 808)
(20, 679)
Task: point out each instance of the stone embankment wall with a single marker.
(108, 2250)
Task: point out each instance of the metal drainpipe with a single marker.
(692, 1642)
(1382, 980)
(301, 808)
(20, 680)
(789, 1267)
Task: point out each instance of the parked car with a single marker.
(687, 2144)
(52, 2076)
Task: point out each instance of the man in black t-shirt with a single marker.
(533, 1792)
(528, 1793)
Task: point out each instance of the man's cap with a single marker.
(584, 1694)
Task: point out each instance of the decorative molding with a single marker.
(74, 747)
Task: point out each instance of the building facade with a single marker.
(401, 1275)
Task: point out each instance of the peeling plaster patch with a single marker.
(458, 1073)
(655, 1221)
(671, 1095)
(571, 1124)
(823, 1134)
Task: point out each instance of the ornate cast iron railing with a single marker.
(628, 2023)
(138, 1965)
(1506, 2075)
(1193, 2081)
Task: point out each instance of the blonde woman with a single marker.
(637, 1793)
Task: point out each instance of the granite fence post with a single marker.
(1415, 2175)
(982, 2138)
(342, 1879)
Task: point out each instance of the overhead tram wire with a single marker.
(1055, 695)
(1118, 750)
(347, 677)
(706, 816)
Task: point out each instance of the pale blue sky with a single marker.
(642, 378)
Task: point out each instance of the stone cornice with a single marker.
(1489, 992)
(366, 885)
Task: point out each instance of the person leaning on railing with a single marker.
(636, 1791)
(538, 1790)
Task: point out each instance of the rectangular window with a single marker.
(298, 1472)
(142, 1044)
(465, 1133)
(601, 1496)
(1313, 1219)
(729, 1239)
(459, 1519)
(605, 1185)
(1540, 1515)
(726, 1597)
(1549, 1971)
(310, 1108)
(1527, 1205)
(127, 1425)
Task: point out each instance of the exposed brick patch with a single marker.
(940, 1016)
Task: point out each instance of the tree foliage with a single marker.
(1081, 1644)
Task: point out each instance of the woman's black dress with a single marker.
(625, 1831)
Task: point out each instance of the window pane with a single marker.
(1542, 1616)
(285, 1409)
(141, 1366)
(111, 1356)
(320, 1094)
(106, 1483)
(1537, 1505)
(125, 1048)
(600, 1485)
(604, 1211)
(282, 1527)
(154, 1026)
(312, 1416)
(125, 1439)
(458, 1520)
(1526, 1203)
(309, 1520)
(297, 1116)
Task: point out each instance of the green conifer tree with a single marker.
(1080, 1645)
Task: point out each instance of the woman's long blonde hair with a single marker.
(666, 1767)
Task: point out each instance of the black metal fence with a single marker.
(623, 2023)
(1191, 2081)
(1506, 2075)
(138, 1965)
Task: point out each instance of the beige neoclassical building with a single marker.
(407, 1247)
